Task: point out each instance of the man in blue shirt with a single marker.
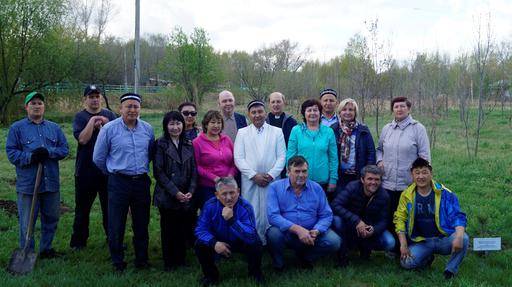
(300, 217)
(31, 141)
(123, 151)
(89, 180)
(227, 224)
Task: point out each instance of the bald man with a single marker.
(232, 121)
(277, 117)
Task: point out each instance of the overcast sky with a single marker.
(324, 26)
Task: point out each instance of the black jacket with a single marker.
(173, 174)
(350, 205)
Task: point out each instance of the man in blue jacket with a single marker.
(429, 221)
(227, 224)
(31, 141)
(361, 212)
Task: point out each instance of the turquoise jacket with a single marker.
(319, 149)
(448, 214)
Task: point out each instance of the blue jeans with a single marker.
(383, 241)
(49, 206)
(425, 250)
(327, 242)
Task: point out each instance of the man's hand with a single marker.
(227, 213)
(314, 233)
(304, 235)
(331, 187)
(188, 196)
(99, 121)
(222, 248)
(405, 253)
(361, 229)
(369, 231)
(39, 154)
(260, 179)
(380, 165)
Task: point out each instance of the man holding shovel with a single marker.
(30, 142)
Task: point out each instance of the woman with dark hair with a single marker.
(175, 172)
(355, 143)
(214, 156)
(189, 112)
(401, 142)
(317, 144)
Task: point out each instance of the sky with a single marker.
(323, 26)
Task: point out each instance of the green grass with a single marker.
(484, 187)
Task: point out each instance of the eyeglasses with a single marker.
(187, 113)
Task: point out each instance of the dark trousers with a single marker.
(86, 189)
(394, 198)
(126, 192)
(206, 256)
(203, 193)
(177, 229)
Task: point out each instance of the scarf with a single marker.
(344, 139)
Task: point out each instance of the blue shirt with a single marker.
(328, 122)
(24, 137)
(120, 149)
(309, 209)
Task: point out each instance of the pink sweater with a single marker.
(212, 161)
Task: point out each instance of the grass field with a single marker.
(484, 187)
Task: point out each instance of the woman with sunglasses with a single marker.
(189, 112)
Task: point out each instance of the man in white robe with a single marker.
(260, 154)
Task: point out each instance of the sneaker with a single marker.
(305, 264)
(278, 270)
(50, 254)
(343, 261)
(142, 265)
(430, 260)
(365, 254)
(77, 248)
(258, 279)
(448, 275)
(390, 254)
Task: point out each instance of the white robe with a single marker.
(259, 153)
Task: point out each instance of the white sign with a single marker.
(487, 244)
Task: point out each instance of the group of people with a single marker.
(318, 187)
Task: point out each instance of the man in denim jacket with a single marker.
(31, 141)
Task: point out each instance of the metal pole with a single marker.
(137, 47)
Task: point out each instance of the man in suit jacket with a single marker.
(232, 121)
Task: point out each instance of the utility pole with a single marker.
(136, 67)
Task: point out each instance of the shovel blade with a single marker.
(22, 261)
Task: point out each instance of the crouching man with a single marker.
(429, 221)
(227, 224)
(361, 212)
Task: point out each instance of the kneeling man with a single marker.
(429, 221)
(361, 212)
(227, 224)
(300, 216)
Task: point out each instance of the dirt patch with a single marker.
(10, 207)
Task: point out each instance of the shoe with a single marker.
(50, 254)
(258, 279)
(430, 260)
(209, 281)
(343, 261)
(119, 267)
(279, 270)
(305, 264)
(142, 265)
(390, 254)
(170, 268)
(365, 254)
(448, 275)
(77, 248)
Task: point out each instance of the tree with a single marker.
(30, 32)
(191, 63)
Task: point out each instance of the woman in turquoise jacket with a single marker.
(317, 144)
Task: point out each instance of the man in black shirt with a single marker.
(89, 180)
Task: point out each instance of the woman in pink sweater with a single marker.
(214, 156)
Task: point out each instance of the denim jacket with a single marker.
(25, 136)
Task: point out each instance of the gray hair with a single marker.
(228, 180)
(371, 169)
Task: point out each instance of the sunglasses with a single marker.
(187, 113)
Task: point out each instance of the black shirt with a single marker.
(84, 166)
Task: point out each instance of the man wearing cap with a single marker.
(259, 154)
(233, 121)
(89, 180)
(429, 221)
(31, 141)
(329, 100)
(123, 152)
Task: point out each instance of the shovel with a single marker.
(23, 259)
